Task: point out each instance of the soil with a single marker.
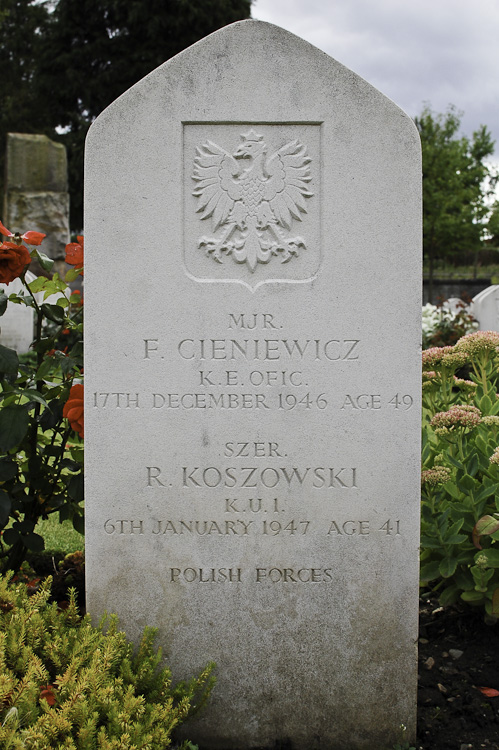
(458, 655)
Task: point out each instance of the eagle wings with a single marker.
(251, 198)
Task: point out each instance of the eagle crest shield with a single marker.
(254, 197)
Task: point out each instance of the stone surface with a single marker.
(36, 187)
(253, 288)
(485, 308)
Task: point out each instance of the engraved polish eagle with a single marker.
(252, 197)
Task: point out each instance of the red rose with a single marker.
(74, 253)
(73, 409)
(13, 260)
(31, 238)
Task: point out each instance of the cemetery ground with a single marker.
(457, 654)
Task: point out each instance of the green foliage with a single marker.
(455, 188)
(67, 685)
(460, 478)
(41, 457)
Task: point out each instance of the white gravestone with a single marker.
(485, 308)
(252, 402)
(18, 321)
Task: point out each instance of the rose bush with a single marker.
(41, 415)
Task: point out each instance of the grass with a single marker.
(60, 537)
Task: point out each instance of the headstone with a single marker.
(485, 308)
(252, 449)
(36, 191)
(17, 323)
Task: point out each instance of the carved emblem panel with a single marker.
(251, 202)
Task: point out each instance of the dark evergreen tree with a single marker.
(23, 24)
(64, 61)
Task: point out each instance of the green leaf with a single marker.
(486, 491)
(14, 423)
(447, 567)
(472, 596)
(44, 369)
(5, 507)
(79, 523)
(71, 275)
(10, 536)
(453, 461)
(495, 603)
(38, 284)
(53, 312)
(484, 526)
(456, 539)
(8, 469)
(429, 571)
(492, 556)
(451, 488)
(33, 395)
(33, 542)
(429, 543)
(75, 488)
(3, 301)
(9, 361)
(45, 262)
(472, 465)
(485, 405)
(466, 483)
(450, 595)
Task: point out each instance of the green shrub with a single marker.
(67, 685)
(460, 478)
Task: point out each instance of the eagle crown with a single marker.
(252, 146)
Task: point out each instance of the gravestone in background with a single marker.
(36, 191)
(17, 323)
(252, 384)
(485, 308)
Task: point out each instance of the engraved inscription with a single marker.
(253, 197)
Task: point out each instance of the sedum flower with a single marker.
(482, 562)
(479, 342)
(433, 356)
(490, 421)
(494, 459)
(429, 375)
(460, 415)
(468, 386)
(436, 475)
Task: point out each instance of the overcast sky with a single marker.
(436, 51)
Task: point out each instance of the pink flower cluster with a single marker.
(479, 342)
(494, 459)
(433, 356)
(460, 415)
(437, 475)
(444, 356)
